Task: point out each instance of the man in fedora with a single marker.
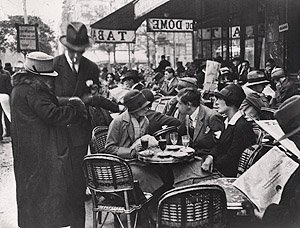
(286, 212)
(40, 150)
(255, 99)
(132, 80)
(75, 74)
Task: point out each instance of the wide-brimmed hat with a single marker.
(77, 38)
(256, 77)
(135, 100)
(232, 93)
(288, 115)
(40, 63)
(277, 73)
(186, 82)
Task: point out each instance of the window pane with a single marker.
(249, 51)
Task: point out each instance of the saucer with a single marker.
(146, 153)
(164, 154)
(173, 147)
(179, 154)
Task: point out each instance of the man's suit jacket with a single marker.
(157, 120)
(169, 90)
(68, 84)
(233, 141)
(208, 122)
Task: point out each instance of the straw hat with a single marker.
(277, 73)
(135, 100)
(256, 77)
(40, 63)
(76, 38)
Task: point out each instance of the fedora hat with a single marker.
(232, 93)
(40, 63)
(131, 74)
(135, 100)
(186, 82)
(277, 73)
(148, 94)
(288, 116)
(256, 77)
(77, 38)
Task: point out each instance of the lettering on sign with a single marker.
(283, 27)
(169, 25)
(113, 36)
(235, 32)
(27, 37)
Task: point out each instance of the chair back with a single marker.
(193, 206)
(107, 173)
(99, 135)
(248, 158)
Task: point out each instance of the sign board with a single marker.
(283, 27)
(27, 37)
(169, 25)
(113, 36)
(235, 31)
(142, 7)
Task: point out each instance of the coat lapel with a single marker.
(129, 126)
(199, 123)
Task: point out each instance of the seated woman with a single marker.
(124, 130)
(236, 137)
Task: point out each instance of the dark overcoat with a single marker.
(40, 154)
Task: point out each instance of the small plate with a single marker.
(187, 150)
(173, 147)
(146, 153)
(164, 154)
(179, 154)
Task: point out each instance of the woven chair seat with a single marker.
(113, 189)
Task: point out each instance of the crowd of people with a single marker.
(57, 101)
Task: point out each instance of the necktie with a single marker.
(73, 67)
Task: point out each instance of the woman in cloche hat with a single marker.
(39, 146)
(124, 130)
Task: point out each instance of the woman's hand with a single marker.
(207, 165)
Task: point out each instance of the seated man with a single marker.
(236, 137)
(124, 130)
(255, 99)
(203, 121)
(169, 85)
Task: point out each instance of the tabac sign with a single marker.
(169, 25)
(113, 36)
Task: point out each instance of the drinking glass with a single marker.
(145, 143)
(174, 137)
(162, 144)
(185, 140)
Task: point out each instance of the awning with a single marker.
(120, 26)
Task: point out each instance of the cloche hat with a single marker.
(288, 115)
(135, 100)
(256, 77)
(40, 63)
(232, 93)
(77, 38)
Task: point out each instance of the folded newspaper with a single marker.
(264, 181)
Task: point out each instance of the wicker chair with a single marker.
(193, 206)
(99, 135)
(111, 183)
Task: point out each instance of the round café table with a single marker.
(171, 155)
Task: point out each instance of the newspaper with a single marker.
(264, 181)
(211, 75)
(273, 128)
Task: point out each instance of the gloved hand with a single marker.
(79, 106)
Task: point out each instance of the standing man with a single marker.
(162, 64)
(75, 74)
(5, 90)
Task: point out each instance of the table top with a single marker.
(235, 197)
(172, 154)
